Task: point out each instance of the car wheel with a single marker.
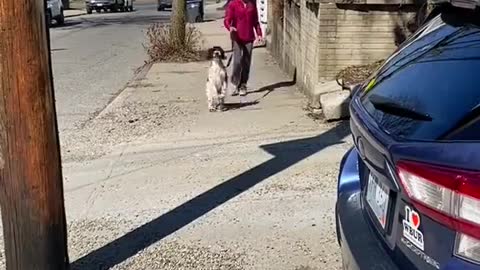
(98, 10)
(161, 8)
(61, 18)
(49, 19)
(89, 10)
(131, 7)
(199, 19)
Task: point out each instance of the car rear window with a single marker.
(436, 75)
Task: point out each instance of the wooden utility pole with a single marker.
(178, 22)
(31, 189)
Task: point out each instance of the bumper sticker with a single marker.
(410, 228)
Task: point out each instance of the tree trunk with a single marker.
(31, 188)
(178, 22)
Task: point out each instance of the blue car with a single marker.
(409, 190)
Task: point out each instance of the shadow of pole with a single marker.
(285, 154)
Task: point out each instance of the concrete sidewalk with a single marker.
(155, 181)
(74, 13)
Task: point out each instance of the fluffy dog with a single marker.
(217, 80)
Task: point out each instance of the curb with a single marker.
(123, 94)
(76, 15)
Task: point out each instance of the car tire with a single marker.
(98, 10)
(61, 18)
(161, 8)
(131, 7)
(49, 19)
(89, 10)
(199, 19)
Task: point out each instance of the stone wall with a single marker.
(318, 39)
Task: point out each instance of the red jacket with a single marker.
(244, 17)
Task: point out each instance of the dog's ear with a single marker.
(222, 52)
(210, 53)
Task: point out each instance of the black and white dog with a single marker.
(217, 80)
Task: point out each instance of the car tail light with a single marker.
(449, 196)
(467, 247)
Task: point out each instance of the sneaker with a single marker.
(243, 90)
(235, 92)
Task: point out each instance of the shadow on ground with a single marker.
(97, 21)
(285, 154)
(67, 24)
(272, 87)
(239, 105)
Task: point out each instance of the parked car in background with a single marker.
(55, 12)
(194, 13)
(409, 190)
(164, 4)
(108, 5)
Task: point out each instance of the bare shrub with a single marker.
(357, 74)
(161, 48)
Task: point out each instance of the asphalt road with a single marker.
(94, 56)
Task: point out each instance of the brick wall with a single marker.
(309, 40)
(353, 37)
(291, 37)
(319, 39)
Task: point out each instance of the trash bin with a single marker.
(194, 11)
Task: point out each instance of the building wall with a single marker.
(309, 41)
(355, 37)
(291, 35)
(319, 39)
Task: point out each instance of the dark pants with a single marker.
(242, 57)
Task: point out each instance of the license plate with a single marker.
(99, 5)
(377, 199)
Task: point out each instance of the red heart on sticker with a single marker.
(415, 220)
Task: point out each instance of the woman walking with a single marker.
(241, 20)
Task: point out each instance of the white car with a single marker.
(55, 11)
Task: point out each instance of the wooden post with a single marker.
(31, 189)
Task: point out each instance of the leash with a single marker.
(229, 61)
(232, 36)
